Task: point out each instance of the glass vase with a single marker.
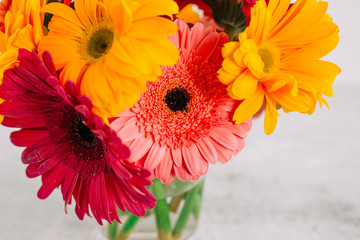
(175, 216)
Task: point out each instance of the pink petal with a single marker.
(155, 156)
(207, 150)
(129, 132)
(184, 175)
(163, 170)
(176, 156)
(224, 137)
(195, 163)
(197, 35)
(208, 46)
(139, 148)
(223, 155)
(185, 35)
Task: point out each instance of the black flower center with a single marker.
(177, 99)
(100, 42)
(86, 134)
(78, 137)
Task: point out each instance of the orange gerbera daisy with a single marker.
(276, 61)
(20, 27)
(110, 47)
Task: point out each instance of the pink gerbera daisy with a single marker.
(68, 145)
(183, 122)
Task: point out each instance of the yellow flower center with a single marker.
(270, 57)
(97, 40)
(261, 59)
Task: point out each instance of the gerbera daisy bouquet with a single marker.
(122, 105)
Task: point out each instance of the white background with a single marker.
(300, 183)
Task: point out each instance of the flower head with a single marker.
(247, 5)
(20, 27)
(110, 47)
(183, 122)
(276, 61)
(69, 146)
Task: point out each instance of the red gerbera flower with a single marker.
(183, 122)
(247, 5)
(68, 145)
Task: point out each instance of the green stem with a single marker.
(231, 31)
(161, 211)
(128, 226)
(112, 229)
(185, 212)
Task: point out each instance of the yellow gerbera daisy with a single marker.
(276, 61)
(20, 27)
(110, 47)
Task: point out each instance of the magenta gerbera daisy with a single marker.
(183, 122)
(69, 146)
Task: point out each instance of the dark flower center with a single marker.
(177, 99)
(100, 42)
(79, 138)
(85, 133)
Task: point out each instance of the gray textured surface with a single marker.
(300, 183)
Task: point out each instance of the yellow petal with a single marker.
(249, 106)
(62, 11)
(225, 77)
(162, 51)
(271, 114)
(156, 8)
(155, 27)
(245, 85)
(230, 66)
(229, 48)
(121, 15)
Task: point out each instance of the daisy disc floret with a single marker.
(110, 47)
(276, 61)
(67, 145)
(183, 122)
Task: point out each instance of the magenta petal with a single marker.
(19, 109)
(120, 170)
(49, 63)
(104, 198)
(31, 170)
(50, 182)
(26, 122)
(94, 200)
(27, 137)
(48, 164)
(32, 82)
(39, 152)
